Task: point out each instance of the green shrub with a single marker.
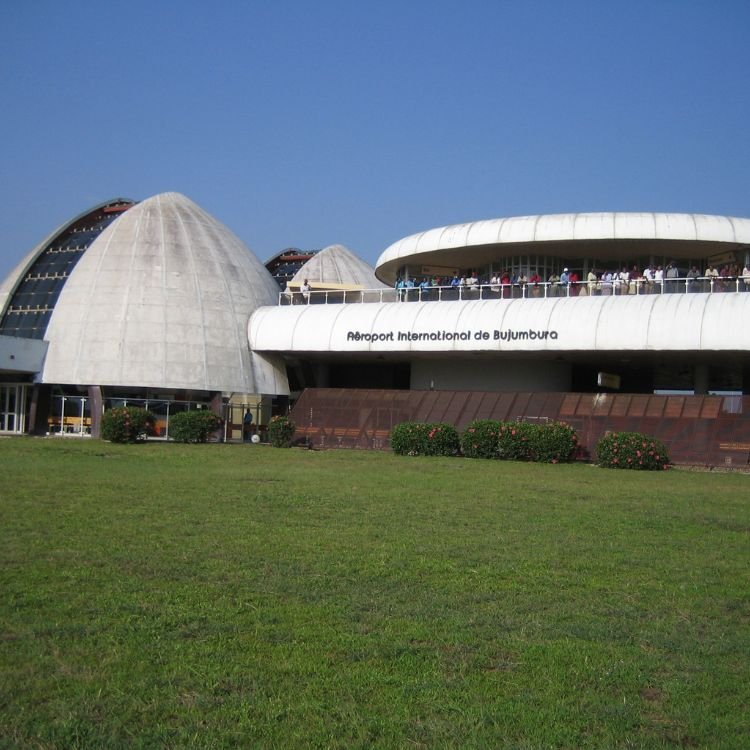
(194, 426)
(514, 441)
(481, 439)
(408, 438)
(631, 450)
(442, 440)
(127, 424)
(553, 442)
(281, 431)
(425, 439)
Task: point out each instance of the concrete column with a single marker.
(217, 407)
(322, 375)
(700, 379)
(39, 408)
(95, 409)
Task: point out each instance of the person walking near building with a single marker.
(247, 425)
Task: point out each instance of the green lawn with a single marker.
(242, 596)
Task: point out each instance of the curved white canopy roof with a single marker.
(581, 227)
(658, 322)
(161, 299)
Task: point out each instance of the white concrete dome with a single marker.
(161, 299)
(337, 265)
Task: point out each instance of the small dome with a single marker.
(337, 265)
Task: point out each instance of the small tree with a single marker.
(281, 431)
(127, 424)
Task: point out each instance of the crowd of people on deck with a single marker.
(653, 279)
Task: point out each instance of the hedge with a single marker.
(551, 442)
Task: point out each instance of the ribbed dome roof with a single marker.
(161, 299)
(337, 264)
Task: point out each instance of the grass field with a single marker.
(229, 596)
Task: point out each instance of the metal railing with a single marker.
(539, 290)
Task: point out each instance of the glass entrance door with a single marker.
(13, 408)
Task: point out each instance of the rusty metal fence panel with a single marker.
(698, 430)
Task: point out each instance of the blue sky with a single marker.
(311, 123)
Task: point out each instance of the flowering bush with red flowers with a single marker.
(631, 450)
(127, 424)
(515, 441)
(553, 442)
(480, 439)
(424, 439)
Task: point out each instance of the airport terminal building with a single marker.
(157, 303)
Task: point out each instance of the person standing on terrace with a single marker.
(554, 285)
(400, 285)
(424, 288)
(692, 279)
(573, 281)
(672, 275)
(746, 277)
(564, 287)
(648, 278)
(711, 275)
(624, 281)
(659, 278)
(591, 279)
(534, 281)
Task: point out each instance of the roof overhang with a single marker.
(595, 235)
(22, 356)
